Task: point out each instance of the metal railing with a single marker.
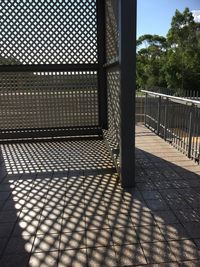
(139, 107)
(176, 119)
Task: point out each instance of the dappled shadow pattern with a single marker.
(83, 217)
(68, 156)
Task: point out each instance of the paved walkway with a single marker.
(61, 205)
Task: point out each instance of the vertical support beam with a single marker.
(127, 60)
(191, 127)
(158, 116)
(101, 46)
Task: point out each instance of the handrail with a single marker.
(175, 99)
(179, 124)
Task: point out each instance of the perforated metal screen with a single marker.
(48, 99)
(48, 32)
(48, 65)
(112, 33)
(113, 77)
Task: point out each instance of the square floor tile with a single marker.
(149, 233)
(165, 217)
(99, 238)
(73, 258)
(6, 229)
(124, 236)
(129, 255)
(72, 240)
(73, 223)
(97, 222)
(142, 217)
(18, 244)
(48, 242)
(8, 216)
(119, 220)
(25, 228)
(184, 250)
(43, 259)
(157, 204)
(11, 260)
(193, 229)
(158, 252)
(47, 226)
(173, 231)
(101, 256)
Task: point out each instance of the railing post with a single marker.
(145, 109)
(191, 127)
(158, 117)
(166, 119)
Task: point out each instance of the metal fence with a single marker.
(176, 119)
(139, 107)
(186, 93)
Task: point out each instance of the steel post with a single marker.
(127, 60)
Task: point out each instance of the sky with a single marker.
(154, 16)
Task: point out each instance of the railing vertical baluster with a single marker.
(198, 138)
(166, 119)
(145, 110)
(191, 127)
(158, 118)
(195, 134)
(180, 117)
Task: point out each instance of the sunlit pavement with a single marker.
(61, 204)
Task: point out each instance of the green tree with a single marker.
(9, 61)
(150, 60)
(182, 65)
(173, 61)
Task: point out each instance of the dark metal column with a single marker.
(101, 46)
(127, 59)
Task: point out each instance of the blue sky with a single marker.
(154, 16)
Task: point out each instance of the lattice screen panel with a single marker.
(113, 85)
(48, 99)
(113, 78)
(48, 32)
(111, 30)
(113, 134)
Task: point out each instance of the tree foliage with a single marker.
(173, 61)
(9, 61)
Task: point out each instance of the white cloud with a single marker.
(196, 15)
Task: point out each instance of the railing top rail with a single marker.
(175, 99)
